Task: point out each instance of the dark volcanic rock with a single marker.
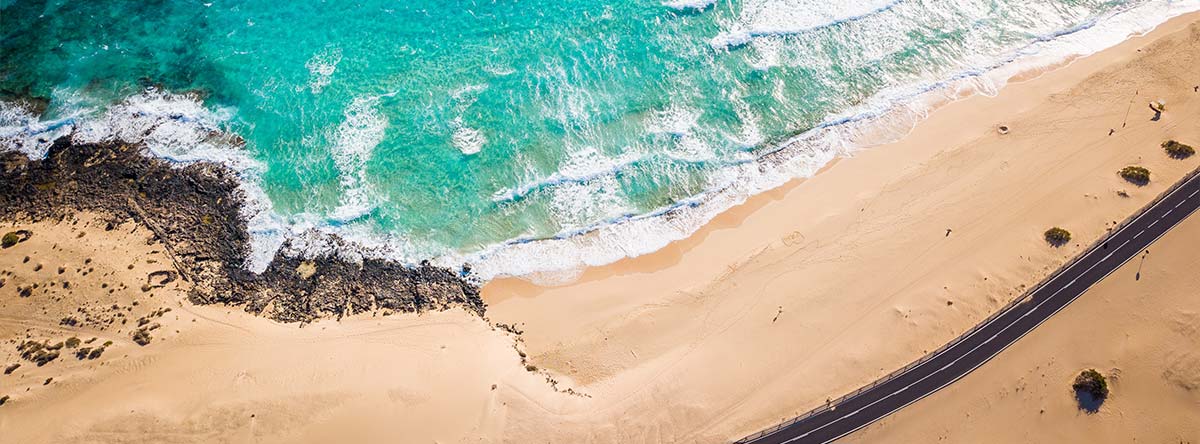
(194, 211)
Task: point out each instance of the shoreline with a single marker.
(195, 212)
(589, 248)
(570, 251)
(733, 216)
(790, 249)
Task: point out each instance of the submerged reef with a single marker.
(195, 212)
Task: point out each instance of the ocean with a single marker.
(517, 137)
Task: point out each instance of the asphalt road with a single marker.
(976, 347)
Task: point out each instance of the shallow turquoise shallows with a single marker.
(459, 125)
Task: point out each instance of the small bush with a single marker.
(1091, 388)
(142, 337)
(89, 353)
(12, 368)
(1057, 236)
(43, 357)
(73, 342)
(10, 239)
(1135, 174)
(3, 399)
(1178, 150)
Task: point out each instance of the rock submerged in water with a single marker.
(120, 182)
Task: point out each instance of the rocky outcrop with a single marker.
(194, 211)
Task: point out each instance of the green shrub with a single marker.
(1057, 236)
(3, 399)
(1178, 150)
(142, 336)
(1093, 382)
(73, 342)
(89, 353)
(1091, 389)
(10, 239)
(43, 357)
(1135, 174)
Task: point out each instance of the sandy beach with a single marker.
(817, 288)
(797, 296)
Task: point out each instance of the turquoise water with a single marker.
(453, 127)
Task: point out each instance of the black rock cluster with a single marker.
(194, 211)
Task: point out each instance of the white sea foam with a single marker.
(676, 120)
(684, 5)
(468, 140)
(321, 67)
(576, 205)
(582, 165)
(354, 141)
(760, 18)
(21, 130)
(751, 135)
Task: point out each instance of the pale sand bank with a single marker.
(1140, 327)
(217, 374)
(799, 295)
